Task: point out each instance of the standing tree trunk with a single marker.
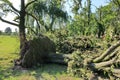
(22, 29)
(89, 11)
(22, 24)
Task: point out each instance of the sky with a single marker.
(98, 3)
(9, 17)
(16, 3)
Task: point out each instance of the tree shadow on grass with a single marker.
(8, 72)
(45, 72)
(49, 71)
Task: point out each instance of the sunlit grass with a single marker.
(9, 48)
(9, 44)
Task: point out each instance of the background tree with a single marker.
(0, 32)
(116, 22)
(8, 31)
(83, 17)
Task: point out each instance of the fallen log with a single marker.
(111, 55)
(103, 64)
(58, 58)
(108, 62)
(117, 75)
(107, 52)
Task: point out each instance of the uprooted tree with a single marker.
(28, 52)
(34, 51)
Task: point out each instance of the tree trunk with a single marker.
(58, 58)
(89, 11)
(22, 34)
(106, 61)
(107, 52)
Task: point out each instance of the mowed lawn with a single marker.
(9, 49)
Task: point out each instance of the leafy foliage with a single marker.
(67, 44)
(48, 12)
(76, 65)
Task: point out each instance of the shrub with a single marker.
(8, 31)
(0, 32)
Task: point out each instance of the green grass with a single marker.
(9, 48)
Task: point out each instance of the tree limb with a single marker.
(34, 18)
(58, 58)
(14, 8)
(30, 3)
(111, 55)
(32, 30)
(10, 5)
(104, 64)
(8, 22)
(116, 2)
(38, 21)
(113, 70)
(107, 52)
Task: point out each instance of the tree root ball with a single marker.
(37, 51)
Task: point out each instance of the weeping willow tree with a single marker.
(46, 13)
(31, 49)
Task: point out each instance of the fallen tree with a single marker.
(58, 58)
(105, 64)
(42, 50)
(109, 61)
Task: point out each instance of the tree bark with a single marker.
(111, 55)
(22, 24)
(108, 62)
(103, 64)
(22, 34)
(107, 52)
(58, 58)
